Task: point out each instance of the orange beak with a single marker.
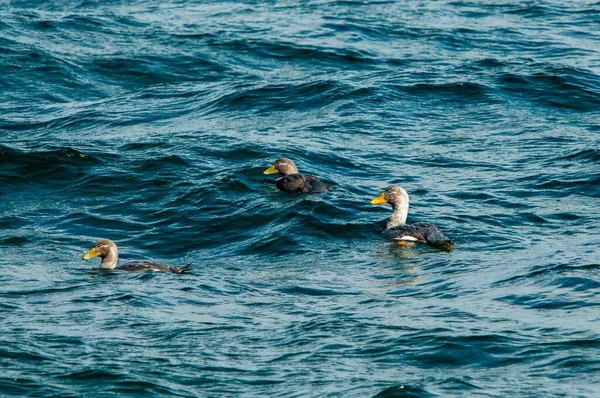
(380, 200)
(270, 170)
(91, 254)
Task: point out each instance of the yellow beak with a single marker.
(271, 170)
(380, 200)
(91, 254)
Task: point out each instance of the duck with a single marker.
(407, 235)
(291, 181)
(107, 250)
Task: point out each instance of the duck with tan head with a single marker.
(106, 249)
(291, 181)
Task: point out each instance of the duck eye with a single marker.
(279, 163)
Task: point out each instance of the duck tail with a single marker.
(181, 270)
(446, 244)
(440, 241)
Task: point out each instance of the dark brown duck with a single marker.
(107, 250)
(290, 180)
(398, 231)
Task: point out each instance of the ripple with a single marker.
(405, 391)
(311, 291)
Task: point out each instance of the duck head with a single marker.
(395, 195)
(105, 249)
(283, 166)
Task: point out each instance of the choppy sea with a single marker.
(151, 122)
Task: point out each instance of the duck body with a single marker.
(107, 250)
(406, 234)
(144, 265)
(301, 184)
(291, 181)
(419, 232)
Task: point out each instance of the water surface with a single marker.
(150, 123)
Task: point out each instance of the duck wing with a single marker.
(317, 185)
(301, 184)
(420, 232)
(143, 265)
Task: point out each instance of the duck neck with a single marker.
(399, 215)
(110, 260)
(288, 172)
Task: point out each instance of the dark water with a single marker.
(151, 124)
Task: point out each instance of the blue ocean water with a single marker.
(150, 123)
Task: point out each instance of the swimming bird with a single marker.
(403, 234)
(291, 181)
(107, 250)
